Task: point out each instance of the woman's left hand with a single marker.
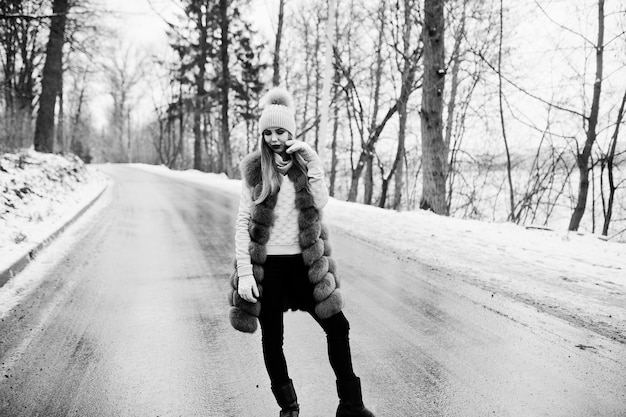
(305, 150)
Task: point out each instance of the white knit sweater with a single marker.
(284, 234)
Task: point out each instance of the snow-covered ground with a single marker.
(579, 278)
(40, 194)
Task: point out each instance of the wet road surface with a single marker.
(130, 319)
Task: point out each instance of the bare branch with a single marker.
(523, 90)
(29, 17)
(573, 32)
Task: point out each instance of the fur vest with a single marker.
(313, 239)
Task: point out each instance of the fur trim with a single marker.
(259, 233)
(332, 266)
(318, 269)
(301, 184)
(304, 200)
(250, 168)
(258, 272)
(313, 252)
(258, 253)
(324, 233)
(330, 306)
(242, 321)
(324, 288)
(327, 248)
(309, 236)
(263, 215)
(250, 308)
(308, 217)
(234, 279)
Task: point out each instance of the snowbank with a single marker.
(40, 194)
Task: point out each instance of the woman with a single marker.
(283, 256)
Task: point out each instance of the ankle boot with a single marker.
(351, 400)
(287, 400)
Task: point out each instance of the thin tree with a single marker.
(328, 72)
(408, 77)
(408, 71)
(279, 37)
(435, 152)
(582, 157)
(123, 72)
(52, 77)
(610, 166)
(201, 13)
(226, 161)
(512, 216)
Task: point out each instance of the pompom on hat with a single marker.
(278, 111)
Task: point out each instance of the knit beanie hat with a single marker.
(278, 111)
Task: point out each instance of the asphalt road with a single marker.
(130, 319)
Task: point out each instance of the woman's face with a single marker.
(276, 137)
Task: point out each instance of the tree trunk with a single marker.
(368, 152)
(512, 216)
(316, 63)
(356, 174)
(452, 104)
(368, 179)
(435, 153)
(60, 130)
(307, 76)
(369, 183)
(279, 35)
(73, 140)
(399, 162)
(610, 167)
(582, 159)
(327, 81)
(408, 76)
(333, 158)
(51, 80)
(225, 90)
(200, 91)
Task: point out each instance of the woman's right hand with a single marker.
(247, 288)
(303, 148)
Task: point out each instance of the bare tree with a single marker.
(370, 126)
(123, 74)
(608, 162)
(20, 49)
(201, 15)
(52, 78)
(224, 83)
(583, 156)
(509, 169)
(462, 87)
(410, 55)
(279, 37)
(435, 153)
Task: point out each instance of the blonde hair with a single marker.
(271, 178)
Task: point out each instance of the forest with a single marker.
(493, 110)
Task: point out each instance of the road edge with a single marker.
(23, 261)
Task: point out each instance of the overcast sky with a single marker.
(139, 20)
(139, 25)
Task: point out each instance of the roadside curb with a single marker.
(23, 261)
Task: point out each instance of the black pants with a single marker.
(286, 284)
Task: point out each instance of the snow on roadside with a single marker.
(40, 193)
